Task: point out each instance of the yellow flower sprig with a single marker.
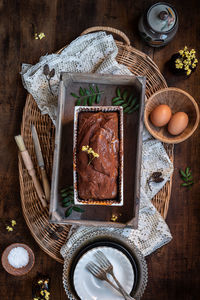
(9, 228)
(39, 36)
(90, 152)
(45, 293)
(187, 60)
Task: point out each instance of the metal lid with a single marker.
(161, 17)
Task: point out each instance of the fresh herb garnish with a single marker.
(67, 195)
(88, 96)
(155, 177)
(49, 74)
(126, 100)
(186, 177)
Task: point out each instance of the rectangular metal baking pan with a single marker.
(97, 215)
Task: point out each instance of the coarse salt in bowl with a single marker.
(18, 259)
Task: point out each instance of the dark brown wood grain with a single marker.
(174, 269)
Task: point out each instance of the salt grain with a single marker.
(18, 257)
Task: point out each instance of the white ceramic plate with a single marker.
(89, 287)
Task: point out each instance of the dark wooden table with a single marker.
(174, 269)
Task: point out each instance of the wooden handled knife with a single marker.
(40, 160)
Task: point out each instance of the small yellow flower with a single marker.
(89, 151)
(42, 293)
(181, 52)
(46, 293)
(114, 218)
(185, 62)
(38, 36)
(85, 148)
(13, 222)
(188, 72)
(41, 35)
(40, 281)
(9, 228)
(194, 65)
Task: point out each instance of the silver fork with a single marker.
(108, 268)
(100, 273)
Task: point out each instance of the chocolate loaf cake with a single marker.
(98, 155)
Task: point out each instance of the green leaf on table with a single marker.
(88, 96)
(183, 174)
(78, 102)
(98, 99)
(187, 177)
(116, 99)
(67, 195)
(187, 171)
(74, 95)
(78, 209)
(126, 100)
(81, 92)
(66, 204)
(119, 102)
(118, 93)
(68, 212)
(188, 183)
(124, 95)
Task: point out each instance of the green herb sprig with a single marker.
(88, 96)
(186, 177)
(67, 195)
(126, 100)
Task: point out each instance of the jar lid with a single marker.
(161, 17)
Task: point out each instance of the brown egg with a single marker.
(178, 123)
(161, 115)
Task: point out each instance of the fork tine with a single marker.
(92, 271)
(102, 255)
(102, 258)
(102, 263)
(93, 268)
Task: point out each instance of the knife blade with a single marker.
(40, 160)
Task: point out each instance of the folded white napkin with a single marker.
(97, 52)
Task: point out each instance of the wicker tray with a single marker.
(51, 237)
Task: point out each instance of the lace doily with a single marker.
(96, 52)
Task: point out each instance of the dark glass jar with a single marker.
(159, 24)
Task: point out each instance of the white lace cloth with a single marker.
(97, 52)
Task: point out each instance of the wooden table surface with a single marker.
(174, 269)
